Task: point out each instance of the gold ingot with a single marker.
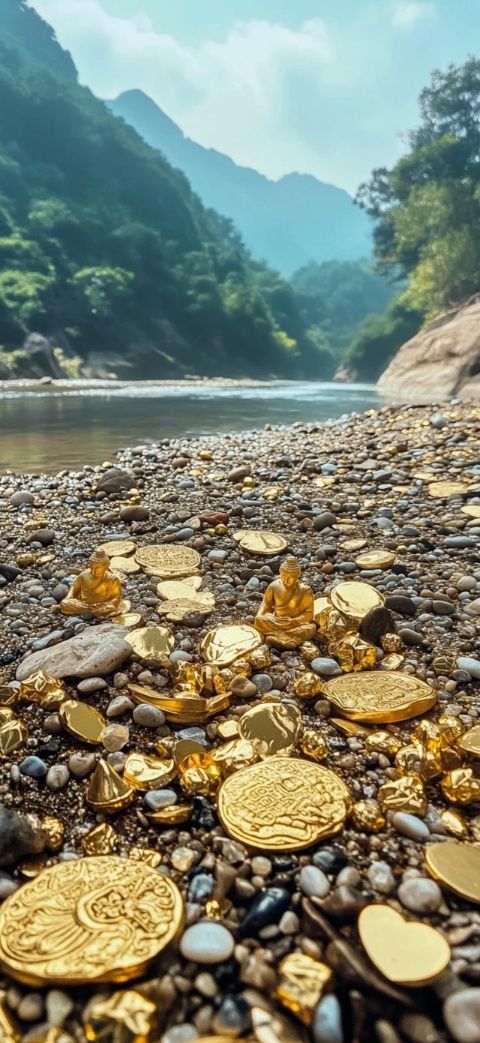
(354, 599)
(145, 854)
(349, 727)
(404, 794)
(308, 685)
(262, 542)
(171, 816)
(228, 729)
(461, 786)
(118, 548)
(182, 708)
(406, 953)
(95, 591)
(54, 830)
(272, 728)
(88, 921)
(47, 692)
(152, 644)
(169, 560)
(392, 661)
(312, 744)
(100, 840)
(380, 698)
(9, 1031)
(416, 760)
(285, 616)
(283, 804)
(226, 643)
(442, 490)
(383, 742)
(172, 589)
(125, 1017)
(142, 772)
(13, 733)
(106, 790)
(470, 741)
(472, 509)
(176, 609)
(353, 653)
(82, 721)
(332, 625)
(391, 642)
(302, 983)
(375, 559)
(231, 756)
(456, 866)
(454, 823)
(366, 815)
(126, 566)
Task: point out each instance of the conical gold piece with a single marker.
(106, 791)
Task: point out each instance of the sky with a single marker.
(326, 87)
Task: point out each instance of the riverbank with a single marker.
(92, 384)
(333, 491)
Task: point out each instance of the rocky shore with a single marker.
(364, 482)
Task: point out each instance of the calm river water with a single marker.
(51, 430)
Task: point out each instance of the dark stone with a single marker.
(344, 903)
(324, 521)
(330, 859)
(267, 907)
(33, 767)
(114, 480)
(49, 749)
(375, 624)
(130, 514)
(238, 473)
(203, 813)
(400, 603)
(233, 1015)
(410, 637)
(43, 536)
(201, 887)
(18, 837)
(9, 572)
(350, 965)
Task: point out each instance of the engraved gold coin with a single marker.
(271, 727)
(118, 548)
(151, 643)
(375, 559)
(472, 509)
(442, 490)
(406, 953)
(95, 920)
(226, 643)
(261, 541)
(177, 608)
(470, 741)
(380, 698)
(169, 559)
(355, 598)
(282, 804)
(84, 722)
(456, 866)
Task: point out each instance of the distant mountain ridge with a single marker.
(286, 223)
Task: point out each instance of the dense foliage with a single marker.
(105, 248)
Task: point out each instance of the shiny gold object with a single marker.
(375, 559)
(355, 544)
(456, 866)
(332, 625)
(25, 559)
(47, 692)
(186, 748)
(181, 708)
(118, 548)
(450, 729)
(472, 509)
(93, 920)
(380, 698)
(127, 566)
(233, 755)
(200, 774)
(383, 742)
(353, 653)
(106, 790)
(309, 650)
(125, 1017)
(172, 589)
(7, 714)
(9, 1032)
(391, 642)
(416, 760)
(169, 560)
(84, 722)
(153, 644)
(319, 606)
(13, 733)
(302, 982)
(224, 644)
(349, 727)
(8, 695)
(470, 741)
(177, 608)
(283, 804)
(392, 661)
(171, 816)
(263, 542)
(145, 854)
(354, 599)
(54, 830)
(442, 490)
(404, 794)
(228, 729)
(100, 840)
(461, 786)
(312, 744)
(285, 617)
(308, 685)
(406, 953)
(95, 591)
(128, 619)
(271, 727)
(454, 823)
(142, 772)
(366, 815)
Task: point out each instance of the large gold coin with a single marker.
(118, 548)
(169, 559)
(375, 559)
(472, 509)
(271, 727)
(282, 804)
(380, 698)
(261, 541)
(442, 490)
(355, 598)
(151, 643)
(226, 643)
(95, 920)
(456, 866)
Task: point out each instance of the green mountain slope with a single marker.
(287, 223)
(105, 248)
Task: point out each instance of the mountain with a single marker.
(107, 251)
(287, 223)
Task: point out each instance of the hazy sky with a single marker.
(326, 87)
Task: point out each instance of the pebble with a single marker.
(242, 687)
(81, 764)
(420, 895)
(312, 881)
(207, 942)
(156, 799)
(7, 886)
(232, 1016)
(410, 826)
(462, 1015)
(30, 1007)
(325, 667)
(119, 705)
(59, 1006)
(57, 776)
(327, 1021)
(34, 767)
(99, 649)
(91, 684)
(263, 683)
(18, 837)
(180, 1034)
(267, 907)
(381, 878)
(115, 737)
(148, 716)
(472, 666)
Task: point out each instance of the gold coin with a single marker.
(84, 722)
(143, 772)
(380, 697)
(355, 598)
(261, 541)
(282, 804)
(271, 727)
(375, 559)
(406, 953)
(356, 544)
(470, 741)
(172, 589)
(151, 643)
(95, 920)
(442, 490)
(125, 565)
(169, 559)
(177, 608)
(118, 548)
(472, 509)
(456, 866)
(226, 643)
(128, 619)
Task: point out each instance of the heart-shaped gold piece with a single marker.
(406, 953)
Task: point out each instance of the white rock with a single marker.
(313, 882)
(207, 942)
(97, 650)
(410, 826)
(381, 878)
(466, 662)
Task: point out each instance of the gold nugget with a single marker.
(126, 1017)
(302, 982)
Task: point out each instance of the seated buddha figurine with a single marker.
(95, 591)
(285, 616)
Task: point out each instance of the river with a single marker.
(48, 430)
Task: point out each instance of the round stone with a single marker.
(34, 767)
(207, 942)
(462, 1015)
(115, 737)
(313, 882)
(410, 826)
(156, 799)
(420, 895)
(381, 878)
(325, 667)
(148, 716)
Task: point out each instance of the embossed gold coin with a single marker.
(406, 953)
(457, 866)
(151, 643)
(282, 804)
(261, 541)
(375, 559)
(271, 727)
(169, 559)
(95, 920)
(118, 548)
(380, 698)
(470, 741)
(177, 608)
(84, 722)
(472, 509)
(442, 490)
(226, 643)
(355, 598)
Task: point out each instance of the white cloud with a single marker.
(410, 12)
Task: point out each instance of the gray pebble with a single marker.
(312, 881)
(156, 799)
(34, 767)
(91, 684)
(381, 878)
(462, 1015)
(263, 683)
(420, 895)
(410, 826)
(148, 716)
(327, 1021)
(325, 667)
(121, 704)
(57, 777)
(472, 666)
(81, 764)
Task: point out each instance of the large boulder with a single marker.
(98, 650)
(441, 361)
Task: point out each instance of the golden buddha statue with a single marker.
(95, 591)
(285, 616)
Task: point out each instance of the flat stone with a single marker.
(97, 650)
(325, 667)
(460, 542)
(121, 704)
(91, 684)
(462, 1015)
(420, 895)
(156, 799)
(207, 942)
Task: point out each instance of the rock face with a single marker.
(97, 650)
(441, 361)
